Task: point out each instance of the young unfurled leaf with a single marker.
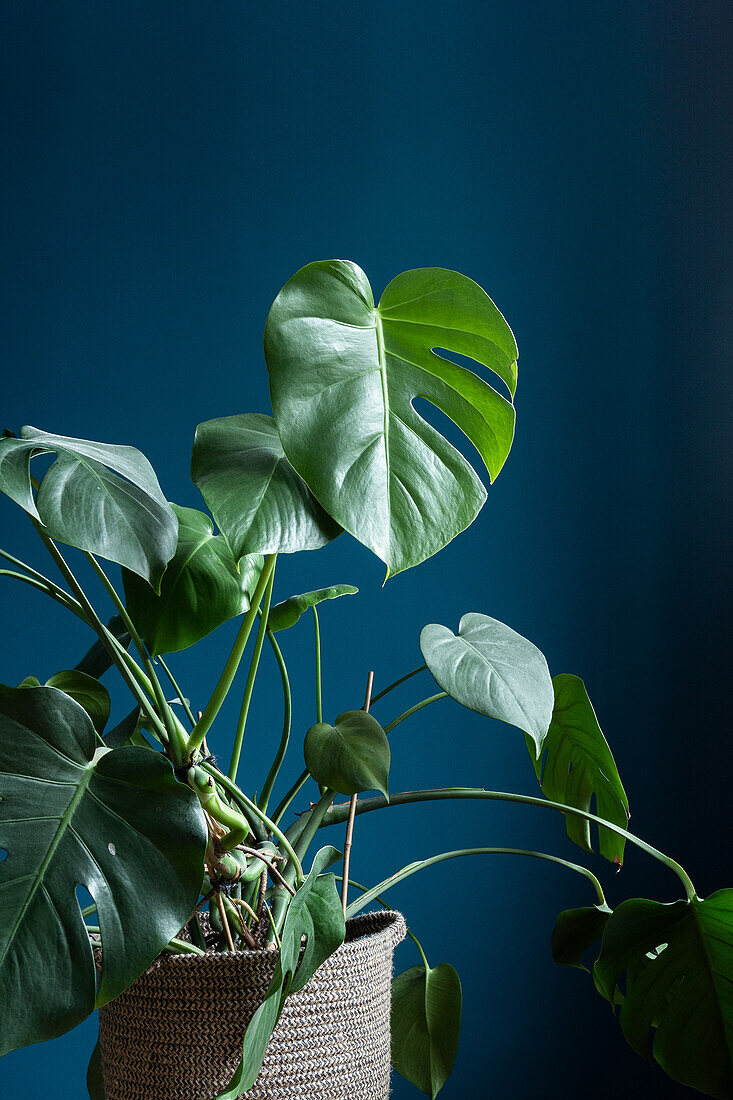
(98, 497)
(575, 931)
(286, 614)
(577, 764)
(202, 587)
(426, 1024)
(259, 502)
(677, 960)
(351, 756)
(344, 375)
(491, 669)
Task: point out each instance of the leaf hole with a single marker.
(111, 849)
(487, 374)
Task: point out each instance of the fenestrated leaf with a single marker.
(286, 614)
(316, 913)
(98, 497)
(343, 378)
(576, 764)
(351, 756)
(75, 813)
(678, 966)
(575, 931)
(258, 500)
(97, 660)
(490, 668)
(87, 691)
(202, 587)
(426, 1025)
(95, 1075)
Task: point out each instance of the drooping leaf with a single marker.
(426, 1024)
(87, 691)
(95, 1076)
(491, 669)
(97, 660)
(75, 813)
(576, 764)
(678, 965)
(351, 756)
(98, 497)
(316, 913)
(202, 587)
(343, 378)
(286, 614)
(575, 931)
(259, 502)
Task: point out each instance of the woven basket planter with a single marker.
(176, 1034)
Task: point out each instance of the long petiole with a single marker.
(339, 814)
(421, 864)
(274, 771)
(251, 675)
(319, 688)
(226, 679)
(397, 683)
(181, 697)
(386, 905)
(42, 580)
(415, 709)
(294, 791)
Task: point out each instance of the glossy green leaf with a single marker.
(202, 587)
(316, 913)
(29, 682)
(74, 813)
(491, 669)
(96, 661)
(95, 1075)
(576, 764)
(344, 375)
(426, 1025)
(258, 501)
(286, 614)
(87, 691)
(126, 732)
(351, 756)
(677, 960)
(100, 498)
(575, 931)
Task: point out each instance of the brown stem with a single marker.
(270, 866)
(352, 811)
(224, 921)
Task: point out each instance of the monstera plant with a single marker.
(143, 810)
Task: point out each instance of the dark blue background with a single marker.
(167, 166)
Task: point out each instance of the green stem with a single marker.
(297, 786)
(39, 577)
(251, 675)
(176, 736)
(287, 721)
(420, 865)
(226, 679)
(313, 822)
(413, 710)
(319, 689)
(386, 905)
(339, 814)
(182, 947)
(397, 683)
(181, 697)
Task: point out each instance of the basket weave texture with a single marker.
(176, 1033)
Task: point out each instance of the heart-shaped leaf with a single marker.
(576, 764)
(316, 913)
(73, 812)
(575, 931)
(100, 498)
(426, 1025)
(88, 693)
(286, 614)
(343, 378)
(258, 501)
(490, 668)
(202, 587)
(678, 961)
(351, 756)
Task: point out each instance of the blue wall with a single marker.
(169, 165)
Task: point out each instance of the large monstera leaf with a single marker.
(344, 375)
(100, 498)
(73, 813)
(202, 587)
(678, 965)
(259, 502)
